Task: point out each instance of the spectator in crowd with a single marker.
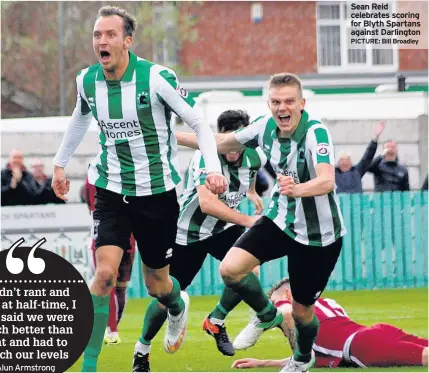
(41, 184)
(16, 182)
(348, 178)
(425, 184)
(389, 174)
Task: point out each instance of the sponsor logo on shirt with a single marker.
(91, 101)
(121, 129)
(291, 173)
(169, 253)
(182, 91)
(322, 149)
(232, 199)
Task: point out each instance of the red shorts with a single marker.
(126, 265)
(385, 345)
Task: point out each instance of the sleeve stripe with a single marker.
(321, 135)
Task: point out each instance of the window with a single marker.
(333, 53)
(165, 41)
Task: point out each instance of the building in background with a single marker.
(212, 45)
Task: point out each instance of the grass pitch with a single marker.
(405, 308)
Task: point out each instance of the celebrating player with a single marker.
(118, 295)
(341, 342)
(208, 224)
(135, 172)
(304, 220)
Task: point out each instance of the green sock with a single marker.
(305, 337)
(154, 318)
(228, 301)
(93, 348)
(250, 290)
(173, 301)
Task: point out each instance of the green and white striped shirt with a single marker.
(138, 153)
(193, 225)
(313, 221)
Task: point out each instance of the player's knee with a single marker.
(302, 313)
(105, 278)
(425, 357)
(154, 291)
(229, 275)
(157, 289)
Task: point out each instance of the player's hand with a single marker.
(379, 130)
(257, 201)
(60, 184)
(286, 185)
(246, 363)
(216, 183)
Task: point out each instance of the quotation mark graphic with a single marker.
(16, 265)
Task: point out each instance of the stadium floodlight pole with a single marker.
(61, 57)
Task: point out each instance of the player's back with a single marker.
(335, 326)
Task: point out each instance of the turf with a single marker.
(404, 308)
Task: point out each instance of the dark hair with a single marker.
(285, 79)
(278, 285)
(232, 120)
(129, 21)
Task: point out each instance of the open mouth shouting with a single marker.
(284, 119)
(105, 56)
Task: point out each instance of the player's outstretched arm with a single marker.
(248, 362)
(288, 325)
(226, 142)
(211, 205)
(75, 132)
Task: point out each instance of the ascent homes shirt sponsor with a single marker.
(118, 130)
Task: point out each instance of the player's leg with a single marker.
(111, 336)
(154, 227)
(125, 270)
(249, 251)
(309, 271)
(382, 345)
(184, 266)
(111, 233)
(214, 324)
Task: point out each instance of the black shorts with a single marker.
(188, 260)
(151, 219)
(309, 267)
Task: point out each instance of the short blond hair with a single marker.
(285, 79)
(278, 285)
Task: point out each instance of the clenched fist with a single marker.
(216, 183)
(286, 185)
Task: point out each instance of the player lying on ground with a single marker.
(208, 224)
(341, 342)
(135, 171)
(304, 220)
(118, 295)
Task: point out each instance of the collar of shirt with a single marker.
(128, 75)
(300, 131)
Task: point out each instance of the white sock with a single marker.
(215, 321)
(113, 334)
(142, 348)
